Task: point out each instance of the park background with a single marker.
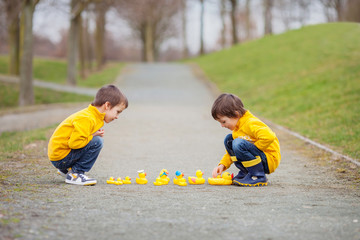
(294, 63)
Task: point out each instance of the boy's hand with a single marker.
(99, 132)
(218, 170)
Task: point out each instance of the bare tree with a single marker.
(223, 23)
(77, 6)
(334, 9)
(352, 11)
(202, 50)
(26, 96)
(100, 10)
(248, 25)
(13, 9)
(152, 21)
(185, 48)
(235, 38)
(268, 5)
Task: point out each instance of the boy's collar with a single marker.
(96, 111)
(242, 120)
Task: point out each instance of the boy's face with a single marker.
(229, 123)
(113, 113)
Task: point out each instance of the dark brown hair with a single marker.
(111, 94)
(227, 105)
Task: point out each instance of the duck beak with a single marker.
(232, 176)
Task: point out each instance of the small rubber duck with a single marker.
(141, 179)
(225, 179)
(179, 179)
(159, 182)
(127, 180)
(110, 180)
(198, 179)
(118, 181)
(164, 176)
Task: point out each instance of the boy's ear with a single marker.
(107, 105)
(237, 114)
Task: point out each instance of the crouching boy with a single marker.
(77, 141)
(253, 147)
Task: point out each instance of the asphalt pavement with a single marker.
(168, 125)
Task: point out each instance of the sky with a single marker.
(50, 21)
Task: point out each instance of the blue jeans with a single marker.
(244, 151)
(81, 160)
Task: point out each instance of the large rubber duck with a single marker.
(111, 180)
(142, 177)
(198, 179)
(225, 179)
(164, 175)
(179, 179)
(127, 180)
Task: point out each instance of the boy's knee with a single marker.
(98, 141)
(228, 139)
(239, 144)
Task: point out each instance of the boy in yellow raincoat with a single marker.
(253, 147)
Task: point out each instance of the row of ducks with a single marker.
(163, 179)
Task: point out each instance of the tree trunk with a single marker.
(202, 51)
(149, 42)
(352, 11)
(26, 96)
(233, 21)
(100, 35)
(82, 49)
(88, 50)
(248, 20)
(268, 4)
(223, 23)
(14, 47)
(13, 30)
(184, 35)
(72, 45)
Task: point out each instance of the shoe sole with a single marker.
(259, 184)
(81, 184)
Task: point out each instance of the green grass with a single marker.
(55, 71)
(11, 142)
(9, 94)
(306, 79)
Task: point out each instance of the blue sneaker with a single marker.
(79, 179)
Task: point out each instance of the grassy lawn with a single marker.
(307, 80)
(55, 71)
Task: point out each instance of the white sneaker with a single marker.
(79, 179)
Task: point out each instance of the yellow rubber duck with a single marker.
(179, 179)
(225, 179)
(119, 181)
(110, 180)
(198, 179)
(127, 180)
(164, 176)
(159, 182)
(141, 179)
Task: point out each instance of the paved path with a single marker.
(168, 125)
